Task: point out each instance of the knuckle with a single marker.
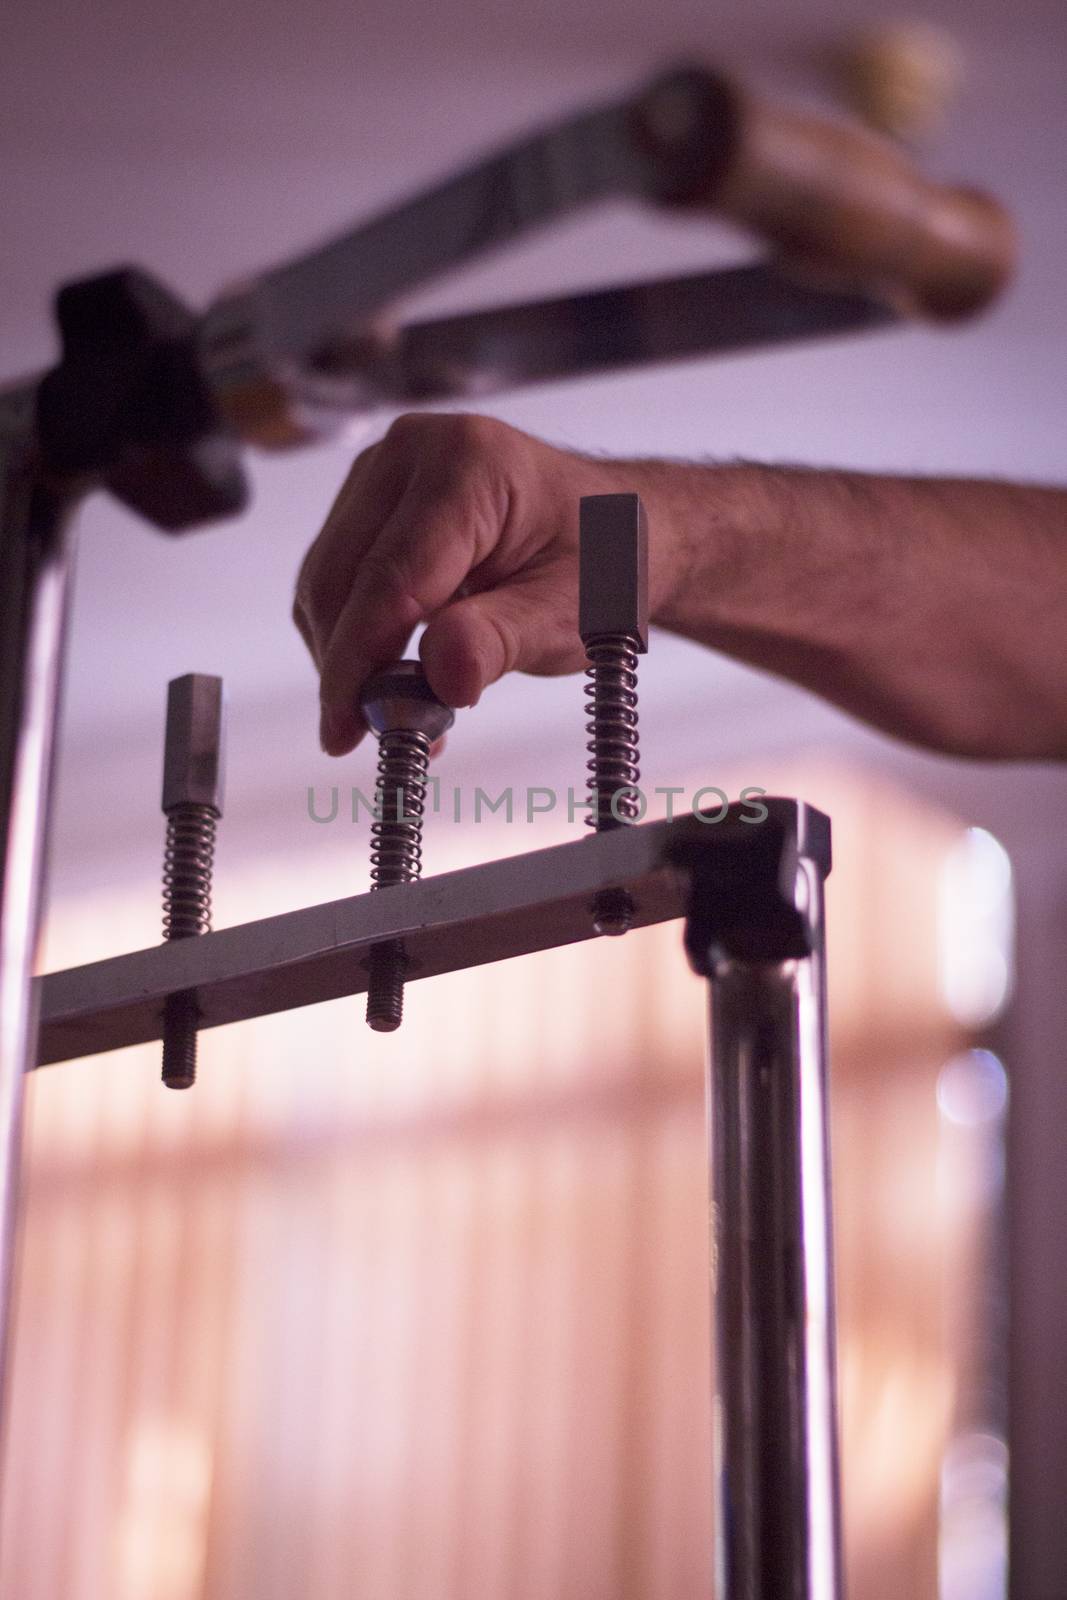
(410, 429)
(473, 433)
(476, 447)
(450, 439)
(507, 638)
(469, 476)
(390, 582)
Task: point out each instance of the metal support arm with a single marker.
(294, 352)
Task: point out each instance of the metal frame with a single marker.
(152, 402)
(778, 1476)
(35, 564)
(751, 890)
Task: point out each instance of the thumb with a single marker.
(473, 642)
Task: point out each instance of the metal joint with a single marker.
(746, 898)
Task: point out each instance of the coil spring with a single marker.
(188, 858)
(400, 802)
(611, 709)
(187, 864)
(396, 857)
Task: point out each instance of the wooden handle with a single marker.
(832, 196)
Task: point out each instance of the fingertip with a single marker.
(339, 733)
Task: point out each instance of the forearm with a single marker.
(934, 608)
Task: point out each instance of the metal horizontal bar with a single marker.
(304, 304)
(458, 919)
(724, 312)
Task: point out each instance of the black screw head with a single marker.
(399, 697)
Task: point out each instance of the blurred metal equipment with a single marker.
(152, 402)
(613, 623)
(402, 709)
(192, 805)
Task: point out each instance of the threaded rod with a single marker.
(396, 857)
(188, 862)
(613, 765)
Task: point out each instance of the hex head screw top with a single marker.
(402, 709)
(192, 804)
(613, 622)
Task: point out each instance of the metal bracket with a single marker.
(129, 404)
(742, 902)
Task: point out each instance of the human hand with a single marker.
(463, 523)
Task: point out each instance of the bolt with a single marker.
(613, 622)
(192, 804)
(402, 709)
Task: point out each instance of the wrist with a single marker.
(704, 524)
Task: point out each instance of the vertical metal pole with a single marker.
(775, 1423)
(34, 574)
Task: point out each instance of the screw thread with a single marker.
(396, 857)
(385, 988)
(180, 1017)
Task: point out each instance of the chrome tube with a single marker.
(34, 572)
(775, 1424)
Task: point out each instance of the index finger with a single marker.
(414, 567)
(370, 493)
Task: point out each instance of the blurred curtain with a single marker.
(426, 1316)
